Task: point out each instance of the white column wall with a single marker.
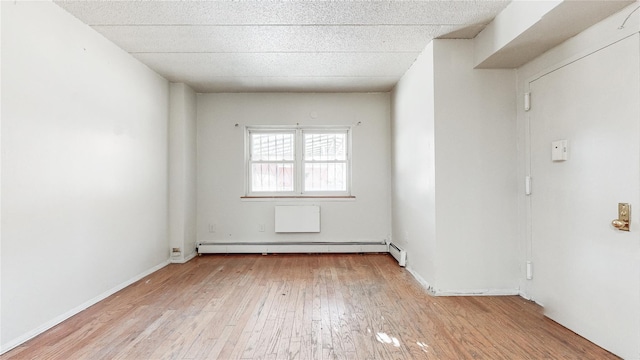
(454, 172)
(182, 171)
(475, 173)
(414, 178)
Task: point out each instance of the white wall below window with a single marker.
(84, 168)
(221, 171)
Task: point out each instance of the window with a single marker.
(298, 161)
(272, 161)
(325, 161)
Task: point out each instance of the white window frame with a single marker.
(299, 161)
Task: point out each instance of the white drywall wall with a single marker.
(454, 172)
(0, 182)
(221, 168)
(182, 170)
(475, 173)
(413, 154)
(84, 168)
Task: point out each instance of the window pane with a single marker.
(325, 177)
(272, 177)
(325, 147)
(272, 147)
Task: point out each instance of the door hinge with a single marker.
(527, 185)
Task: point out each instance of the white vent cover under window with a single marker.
(297, 219)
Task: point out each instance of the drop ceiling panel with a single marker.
(283, 12)
(282, 45)
(176, 66)
(293, 84)
(216, 39)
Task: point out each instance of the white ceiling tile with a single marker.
(282, 45)
(216, 39)
(283, 12)
(295, 84)
(180, 65)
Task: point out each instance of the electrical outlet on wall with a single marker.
(212, 227)
(261, 227)
(176, 251)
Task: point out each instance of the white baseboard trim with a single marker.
(421, 280)
(524, 295)
(471, 292)
(478, 292)
(186, 259)
(57, 320)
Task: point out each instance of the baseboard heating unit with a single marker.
(399, 254)
(290, 247)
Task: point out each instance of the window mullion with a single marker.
(299, 166)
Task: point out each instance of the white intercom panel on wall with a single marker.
(559, 150)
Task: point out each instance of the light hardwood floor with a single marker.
(302, 307)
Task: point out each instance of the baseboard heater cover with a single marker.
(399, 254)
(291, 247)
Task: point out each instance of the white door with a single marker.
(586, 272)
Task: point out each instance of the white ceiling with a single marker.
(243, 46)
(313, 45)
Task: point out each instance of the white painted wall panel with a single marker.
(413, 153)
(475, 157)
(454, 172)
(84, 167)
(221, 169)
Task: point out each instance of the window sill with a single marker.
(298, 198)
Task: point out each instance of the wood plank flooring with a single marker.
(302, 307)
